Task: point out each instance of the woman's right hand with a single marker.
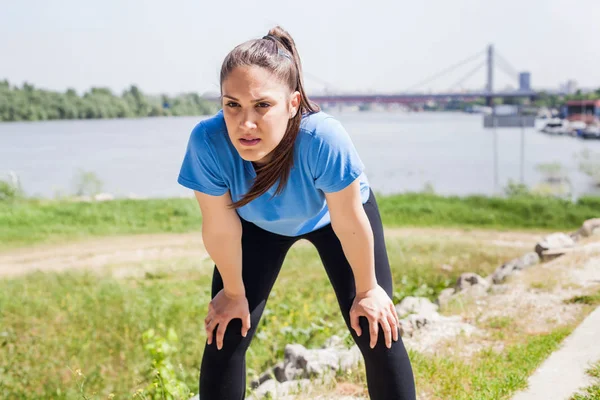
(221, 310)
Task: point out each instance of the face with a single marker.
(257, 108)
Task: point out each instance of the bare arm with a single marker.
(222, 235)
(353, 229)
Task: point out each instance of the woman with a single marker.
(267, 170)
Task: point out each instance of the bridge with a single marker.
(491, 60)
(410, 96)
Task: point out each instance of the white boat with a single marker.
(591, 132)
(557, 126)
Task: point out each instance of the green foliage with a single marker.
(31, 104)
(591, 392)
(87, 183)
(8, 192)
(534, 212)
(514, 189)
(34, 221)
(91, 330)
(428, 188)
(589, 164)
(593, 299)
(552, 172)
(543, 99)
(164, 384)
(415, 286)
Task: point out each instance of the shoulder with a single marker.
(321, 125)
(209, 129)
(320, 130)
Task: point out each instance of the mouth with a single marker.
(249, 142)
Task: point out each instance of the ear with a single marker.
(294, 103)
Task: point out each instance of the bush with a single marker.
(589, 164)
(10, 191)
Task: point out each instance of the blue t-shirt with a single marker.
(325, 160)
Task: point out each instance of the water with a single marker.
(402, 152)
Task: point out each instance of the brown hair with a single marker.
(277, 53)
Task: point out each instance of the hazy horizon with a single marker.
(386, 46)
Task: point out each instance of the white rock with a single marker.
(103, 197)
(589, 228)
(444, 297)
(508, 268)
(555, 241)
(415, 305)
(469, 279)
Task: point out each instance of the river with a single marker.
(449, 152)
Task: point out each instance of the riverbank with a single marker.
(85, 282)
(28, 222)
(87, 307)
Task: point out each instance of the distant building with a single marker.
(587, 111)
(569, 87)
(525, 81)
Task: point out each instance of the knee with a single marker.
(232, 338)
(364, 341)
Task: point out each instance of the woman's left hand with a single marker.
(378, 308)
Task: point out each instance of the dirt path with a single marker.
(98, 253)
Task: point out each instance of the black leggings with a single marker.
(223, 372)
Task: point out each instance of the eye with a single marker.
(231, 104)
(263, 105)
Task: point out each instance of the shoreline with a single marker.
(32, 221)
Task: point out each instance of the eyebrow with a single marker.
(254, 101)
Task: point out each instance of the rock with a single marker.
(511, 266)
(301, 362)
(474, 291)
(554, 243)
(447, 267)
(500, 288)
(349, 359)
(530, 259)
(469, 279)
(270, 374)
(589, 228)
(418, 321)
(444, 297)
(334, 342)
(284, 372)
(433, 327)
(312, 362)
(104, 197)
(406, 328)
(415, 305)
(276, 389)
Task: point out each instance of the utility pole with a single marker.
(490, 75)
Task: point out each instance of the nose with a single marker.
(248, 122)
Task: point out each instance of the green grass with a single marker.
(30, 222)
(55, 324)
(591, 392)
(526, 212)
(52, 325)
(593, 299)
(489, 375)
(35, 221)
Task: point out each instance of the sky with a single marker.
(377, 46)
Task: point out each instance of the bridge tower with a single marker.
(490, 75)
